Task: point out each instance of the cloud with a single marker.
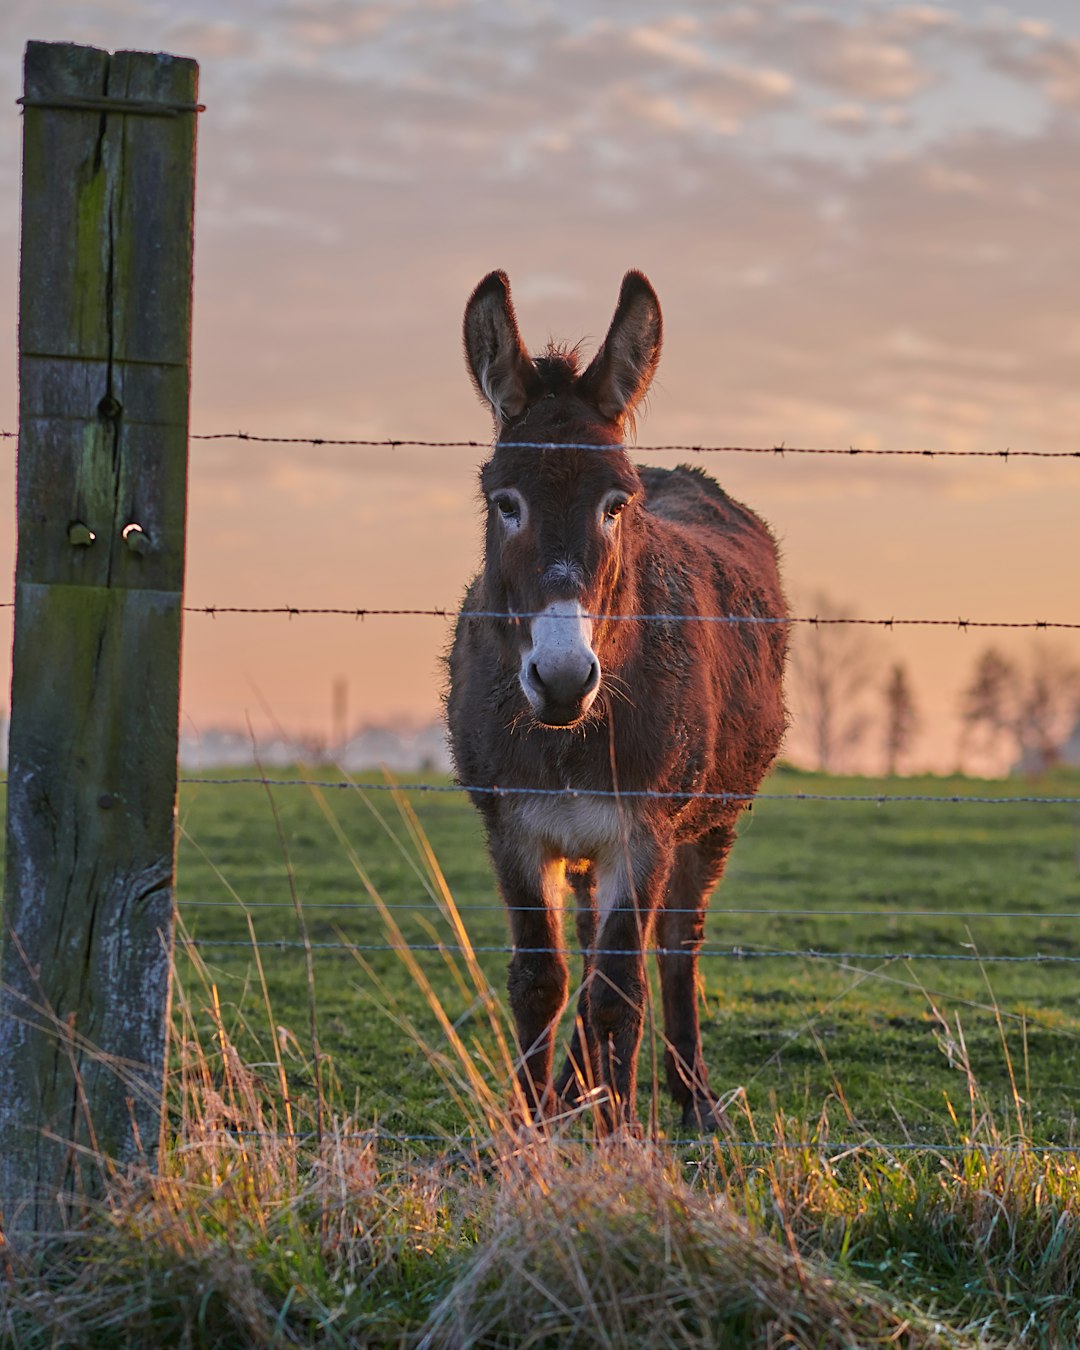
(532, 287)
(213, 41)
(908, 344)
(939, 176)
(326, 24)
(735, 93)
(913, 21)
(858, 66)
(1053, 62)
(669, 45)
(851, 117)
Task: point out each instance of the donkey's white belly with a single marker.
(580, 827)
(575, 827)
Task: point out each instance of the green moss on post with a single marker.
(104, 353)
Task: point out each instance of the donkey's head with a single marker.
(561, 519)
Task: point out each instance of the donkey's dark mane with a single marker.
(558, 366)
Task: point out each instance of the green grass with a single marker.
(788, 1029)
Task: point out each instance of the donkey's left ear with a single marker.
(619, 375)
(501, 368)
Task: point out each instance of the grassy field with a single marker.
(871, 1042)
(913, 1182)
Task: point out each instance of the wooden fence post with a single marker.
(104, 362)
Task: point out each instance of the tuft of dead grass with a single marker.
(614, 1248)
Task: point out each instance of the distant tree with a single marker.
(988, 706)
(832, 672)
(1049, 706)
(1025, 710)
(901, 717)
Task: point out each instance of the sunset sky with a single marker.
(862, 220)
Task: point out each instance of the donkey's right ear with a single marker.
(500, 366)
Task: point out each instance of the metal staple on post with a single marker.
(124, 107)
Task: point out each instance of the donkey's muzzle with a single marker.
(563, 695)
(559, 670)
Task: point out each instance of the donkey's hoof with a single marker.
(525, 1117)
(571, 1091)
(705, 1115)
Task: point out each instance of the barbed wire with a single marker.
(444, 612)
(684, 448)
(876, 799)
(720, 953)
(681, 448)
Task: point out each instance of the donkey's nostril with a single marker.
(534, 678)
(593, 679)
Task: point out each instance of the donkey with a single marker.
(589, 667)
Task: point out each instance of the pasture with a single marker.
(861, 1040)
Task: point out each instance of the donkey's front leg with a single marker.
(579, 1074)
(628, 891)
(538, 979)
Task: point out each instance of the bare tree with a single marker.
(1049, 706)
(1025, 710)
(988, 706)
(901, 717)
(832, 672)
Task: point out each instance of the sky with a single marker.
(862, 220)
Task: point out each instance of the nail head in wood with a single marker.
(80, 535)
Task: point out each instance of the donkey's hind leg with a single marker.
(680, 933)
(579, 1074)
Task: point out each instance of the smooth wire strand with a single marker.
(405, 906)
(722, 953)
(875, 799)
(713, 1143)
(516, 616)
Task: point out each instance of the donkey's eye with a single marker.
(507, 506)
(614, 507)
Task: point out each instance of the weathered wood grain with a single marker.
(104, 342)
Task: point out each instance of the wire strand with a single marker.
(687, 448)
(365, 906)
(876, 799)
(713, 1143)
(683, 448)
(722, 953)
(444, 612)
